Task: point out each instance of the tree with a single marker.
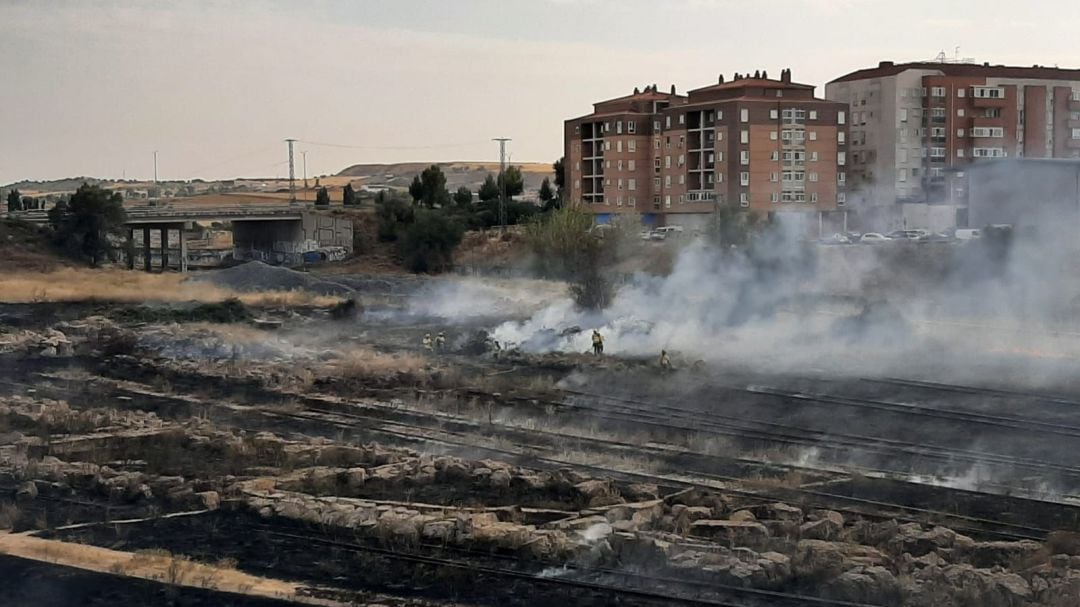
(427, 245)
(433, 184)
(416, 189)
(463, 198)
(566, 246)
(560, 177)
(393, 212)
(512, 181)
(546, 193)
(489, 190)
(83, 225)
(348, 196)
(14, 201)
(322, 198)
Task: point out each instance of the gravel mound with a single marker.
(258, 276)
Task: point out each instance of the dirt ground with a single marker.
(291, 451)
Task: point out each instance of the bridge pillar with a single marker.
(146, 248)
(165, 249)
(183, 249)
(129, 248)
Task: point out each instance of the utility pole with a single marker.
(292, 174)
(155, 166)
(304, 154)
(502, 180)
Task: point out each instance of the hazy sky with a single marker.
(94, 87)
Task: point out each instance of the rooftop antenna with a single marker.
(155, 166)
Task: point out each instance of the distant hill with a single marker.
(469, 174)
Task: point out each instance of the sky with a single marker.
(94, 87)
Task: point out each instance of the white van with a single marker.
(967, 234)
(664, 232)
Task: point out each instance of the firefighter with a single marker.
(427, 341)
(597, 342)
(440, 341)
(665, 362)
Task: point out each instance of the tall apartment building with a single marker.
(915, 126)
(764, 145)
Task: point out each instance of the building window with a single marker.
(710, 157)
(682, 159)
(631, 165)
(903, 115)
(577, 184)
(773, 135)
(620, 184)
(744, 157)
(618, 127)
(813, 135)
(840, 137)
(988, 131)
(937, 131)
(744, 115)
(840, 117)
(937, 152)
(618, 145)
(960, 153)
(667, 162)
(813, 177)
(667, 122)
(618, 201)
(744, 178)
(682, 140)
(774, 156)
(709, 178)
(937, 91)
(607, 146)
(719, 156)
(813, 114)
(988, 92)
(774, 197)
(631, 145)
(773, 114)
(719, 177)
(620, 164)
(667, 182)
(656, 201)
(813, 156)
(656, 182)
(656, 125)
(744, 136)
(631, 184)
(1076, 133)
(959, 132)
(813, 196)
(841, 198)
(961, 92)
(682, 118)
(841, 178)
(901, 175)
(633, 201)
(667, 201)
(960, 112)
(631, 126)
(988, 152)
(774, 177)
(657, 143)
(744, 199)
(720, 136)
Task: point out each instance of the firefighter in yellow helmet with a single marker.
(440, 341)
(597, 342)
(427, 341)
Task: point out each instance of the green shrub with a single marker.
(427, 244)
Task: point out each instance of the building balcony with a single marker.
(988, 101)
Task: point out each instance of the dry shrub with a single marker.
(364, 362)
(83, 284)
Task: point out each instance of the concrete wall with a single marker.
(286, 241)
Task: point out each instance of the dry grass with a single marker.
(83, 284)
(364, 362)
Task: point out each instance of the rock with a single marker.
(832, 515)
(26, 491)
(821, 529)
(500, 479)
(638, 492)
(784, 512)
(990, 554)
(820, 559)
(1060, 561)
(742, 516)
(210, 500)
(481, 473)
(740, 533)
(689, 514)
(874, 585)
(440, 531)
(503, 535)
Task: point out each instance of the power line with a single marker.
(394, 147)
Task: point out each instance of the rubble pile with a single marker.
(258, 276)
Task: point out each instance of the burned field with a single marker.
(321, 455)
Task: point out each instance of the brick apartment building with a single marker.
(764, 145)
(915, 126)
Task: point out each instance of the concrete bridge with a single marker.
(270, 231)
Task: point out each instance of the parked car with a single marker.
(645, 235)
(873, 238)
(836, 239)
(967, 234)
(908, 234)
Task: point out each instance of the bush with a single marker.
(393, 212)
(566, 246)
(427, 245)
